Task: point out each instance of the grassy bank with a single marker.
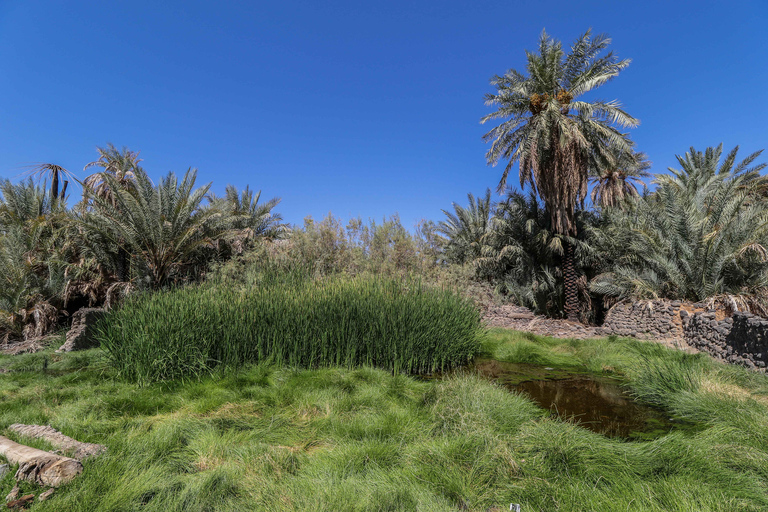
(270, 438)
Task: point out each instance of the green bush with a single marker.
(387, 323)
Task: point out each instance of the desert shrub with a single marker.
(290, 319)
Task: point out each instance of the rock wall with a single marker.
(81, 335)
(650, 319)
(741, 338)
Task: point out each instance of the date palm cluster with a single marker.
(700, 235)
(125, 233)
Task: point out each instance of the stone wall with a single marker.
(741, 338)
(82, 335)
(650, 319)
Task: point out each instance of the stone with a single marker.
(4, 468)
(82, 333)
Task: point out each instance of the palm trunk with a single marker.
(55, 187)
(570, 283)
(123, 265)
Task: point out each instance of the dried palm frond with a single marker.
(39, 319)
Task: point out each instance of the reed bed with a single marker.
(392, 324)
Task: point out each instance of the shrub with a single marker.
(387, 323)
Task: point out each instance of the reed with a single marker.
(392, 324)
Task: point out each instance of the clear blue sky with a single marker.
(360, 108)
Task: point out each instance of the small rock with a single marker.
(4, 468)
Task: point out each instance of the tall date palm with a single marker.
(553, 135)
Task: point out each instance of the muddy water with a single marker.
(594, 402)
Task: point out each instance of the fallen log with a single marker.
(43, 468)
(66, 444)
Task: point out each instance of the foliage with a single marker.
(701, 235)
(31, 263)
(249, 219)
(465, 229)
(120, 166)
(161, 226)
(613, 179)
(522, 254)
(330, 247)
(554, 136)
(287, 318)
(126, 234)
(281, 439)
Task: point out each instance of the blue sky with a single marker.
(359, 108)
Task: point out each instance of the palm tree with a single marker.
(524, 257)
(32, 224)
(613, 179)
(555, 137)
(120, 165)
(56, 173)
(702, 235)
(162, 225)
(466, 227)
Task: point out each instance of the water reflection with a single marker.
(597, 403)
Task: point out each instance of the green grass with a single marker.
(365, 321)
(271, 438)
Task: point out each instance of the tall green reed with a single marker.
(290, 319)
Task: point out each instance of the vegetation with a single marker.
(125, 234)
(700, 236)
(464, 230)
(555, 137)
(290, 319)
(270, 438)
(523, 255)
(613, 180)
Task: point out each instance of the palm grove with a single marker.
(125, 234)
(699, 235)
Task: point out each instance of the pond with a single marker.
(598, 403)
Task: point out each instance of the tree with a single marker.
(163, 226)
(613, 179)
(120, 169)
(31, 265)
(249, 219)
(465, 228)
(120, 165)
(555, 137)
(702, 235)
(523, 256)
(56, 173)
